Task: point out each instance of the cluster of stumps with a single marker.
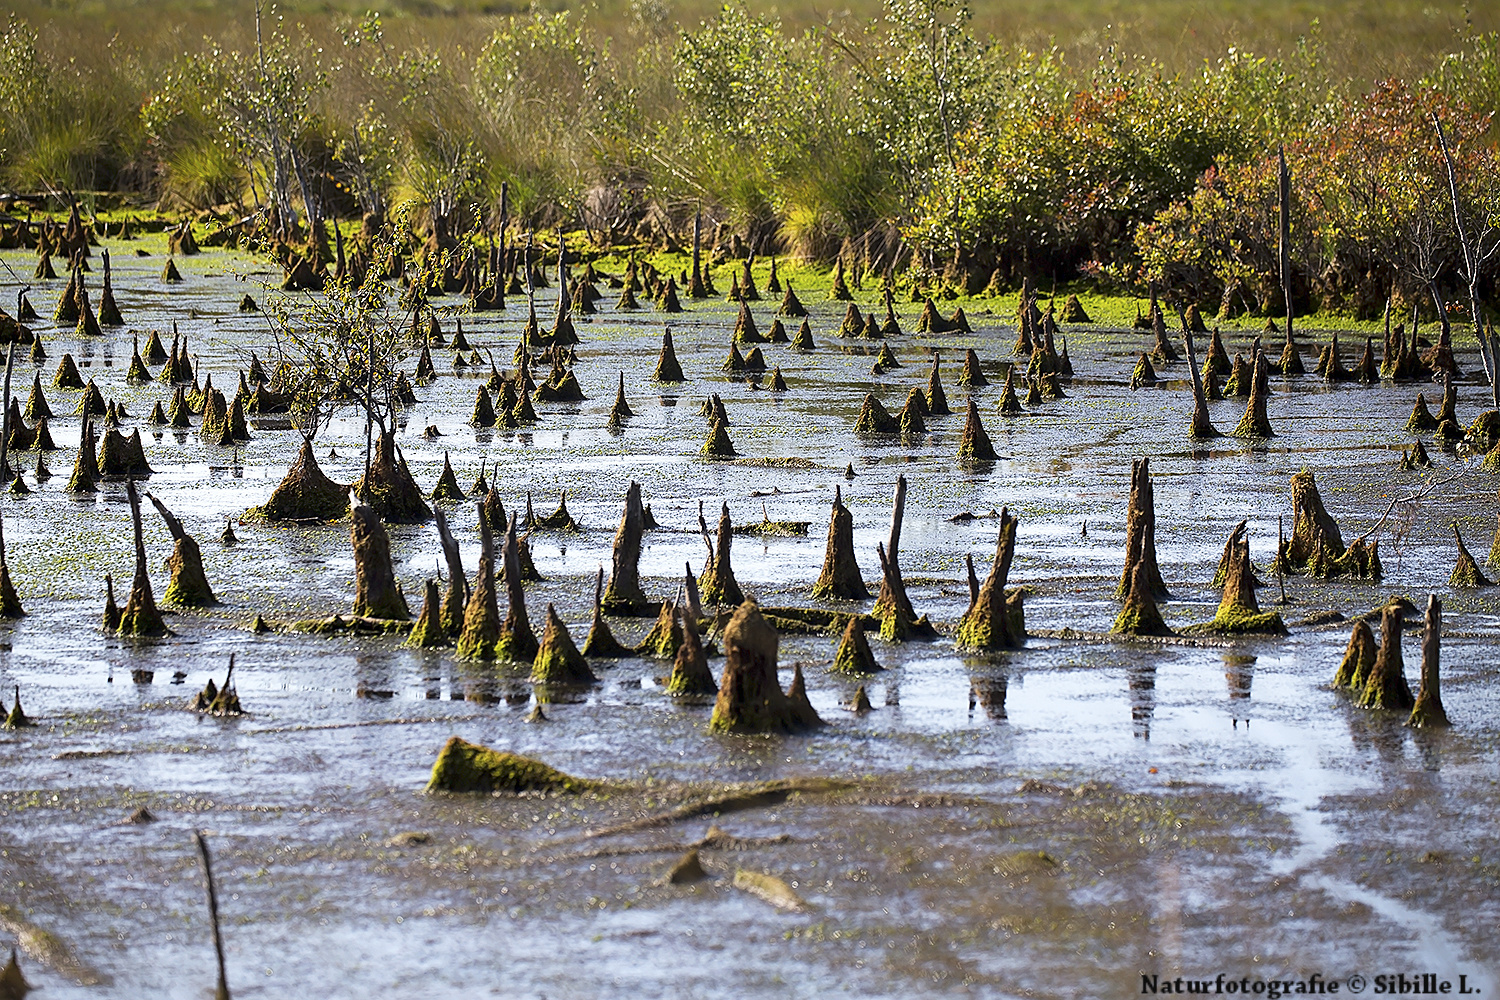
(466, 613)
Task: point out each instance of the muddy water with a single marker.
(1197, 809)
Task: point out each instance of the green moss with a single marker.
(557, 659)
(1239, 621)
(464, 767)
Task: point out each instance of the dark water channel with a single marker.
(1201, 809)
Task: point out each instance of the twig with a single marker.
(222, 992)
(1420, 494)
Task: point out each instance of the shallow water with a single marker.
(1205, 809)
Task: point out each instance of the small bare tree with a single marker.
(1478, 245)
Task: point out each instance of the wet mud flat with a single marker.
(1050, 821)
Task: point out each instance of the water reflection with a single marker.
(374, 676)
(988, 691)
(1142, 681)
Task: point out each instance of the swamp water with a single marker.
(1053, 821)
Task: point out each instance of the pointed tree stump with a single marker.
(840, 578)
(750, 696)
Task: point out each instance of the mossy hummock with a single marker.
(791, 306)
(1256, 423)
(690, 675)
(464, 767)
(10, 601)
(910, 421)
(447, 489)
(874, 418)
(305, 493)
(600, 642)
(428, 632)
(854, 655)
(745, 330)
(85, 478)
(1239, 612)
(481, 628)
(972, 376)
(1143, 374)
(892, 605)
(840, 578)
(1313, 528)
(376, 592)
(718, 444)
(516, 643)
(667, 368)
(391, 490)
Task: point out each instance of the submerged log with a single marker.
(840, 578)
(1428, 710)
(189, 585)
(463, 767)
(750, 696)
